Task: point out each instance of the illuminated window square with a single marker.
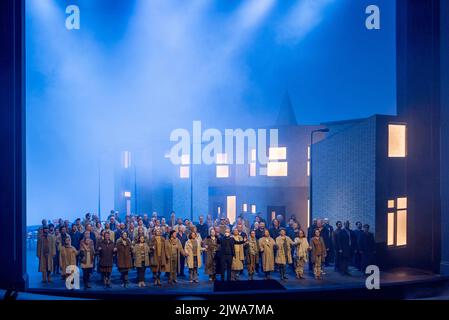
(222, 158)
(277, 169)
(253, 155)
(401, 236)
(397, 135)
(391, 204)
(127, 194)
(222, 172)
(252, 170)
(390, 227)
(185, 159)
(245, 207)
(231, 206)
(402, 203)
(278, 153)
(253, 209)
(184, 172)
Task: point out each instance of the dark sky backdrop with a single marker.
(139, 69)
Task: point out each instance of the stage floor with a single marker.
(331, 282)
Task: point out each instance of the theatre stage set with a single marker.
(422, 78)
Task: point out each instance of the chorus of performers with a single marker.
(225, 250)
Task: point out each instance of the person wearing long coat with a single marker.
(343, 247)
(266, 246)
(283, 253)
(46, 250)
(367, 247)
(211, 246)
(193, 250)
(141, 252)
(301, 254)
(106, 250)
(318, 253)
(158, 256)
(67, 256)
(252, 254)
(175, 251)
(239, 256)
(87, 252)
(124, 257)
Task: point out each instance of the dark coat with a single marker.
(259, 233)
(106, 253)
(344, 243)
(75, 238)
(275, 232)
(124, 254)
(182, 238)
(203, 230)
(227, 246)
(366, 243)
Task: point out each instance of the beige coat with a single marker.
(179, 250)
(302, 249)
(266, 246)
(239, 255)
(46, 261)
(87, 251)
(138, 250)
(189, 251)
(67, 257)
(280, 254)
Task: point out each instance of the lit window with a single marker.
(126, 159)
(397, 223)
(397, 141)
(401, 236)
(231, 205)
(308, 161)
(278, 153)
(127, 194)
(390, 239)
(402, 203)
(219, 210)
(222, 158)
(273, 215)
(185, 159)
(184, 172)
(222, 172)
(252, 165)
(253, 155)
(222, 168)
(277, 169)
(245, 207)
(253, 209)
(308, 213)
(390, 204)
(252, 170)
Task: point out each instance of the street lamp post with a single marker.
(310, 169)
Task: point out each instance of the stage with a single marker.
(394, 284)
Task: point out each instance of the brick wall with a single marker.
(343, 171)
